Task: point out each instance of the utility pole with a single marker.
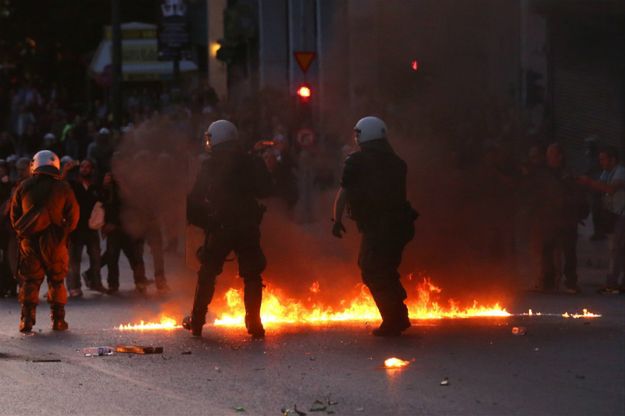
(116, 36)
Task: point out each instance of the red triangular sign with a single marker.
(304, 59)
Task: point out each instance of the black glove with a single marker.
(338, 229)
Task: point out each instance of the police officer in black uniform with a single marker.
(224, 203)
(373, 188)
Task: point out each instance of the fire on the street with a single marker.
(394, 363)
(279, 309)
(585, 314)
(165, 323)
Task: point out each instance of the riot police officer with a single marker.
(224, 203)
(373, 188)
(43, 213)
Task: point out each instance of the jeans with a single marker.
(91, 240)
(116, 242)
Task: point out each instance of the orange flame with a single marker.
(314, 288)
(395, 362)
(165, 323)
(279, 309)
(585, 314)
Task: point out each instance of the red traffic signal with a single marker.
(304, 92)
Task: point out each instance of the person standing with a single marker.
(611, 185)
(224, 203)
(87, 194)
(118, 240)
(43, 213)
(373, 189)
(559, 205)
(101, 152)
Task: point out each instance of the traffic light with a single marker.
(304, 92)
(303, 104)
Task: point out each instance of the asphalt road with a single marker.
(561, 367)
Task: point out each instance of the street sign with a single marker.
(173, 30)
(304, 59)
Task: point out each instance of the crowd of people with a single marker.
(115, 176)
(161, 135)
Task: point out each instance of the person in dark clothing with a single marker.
(8, 285)
(373, 188)
(87, 194)
(118, 240)
(43, 213)
(101, 152)
(592, 169)
(559, 205)
(224, 203)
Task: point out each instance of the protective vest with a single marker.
(374, 180)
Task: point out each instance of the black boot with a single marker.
(27, 319)
(394, 321)
(204, 291)
(252, 298)
(193, 325)
(57, 313)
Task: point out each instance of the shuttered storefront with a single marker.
(588, 89)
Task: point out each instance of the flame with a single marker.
(395, 362)
(314, 288)
(165, 322)
(585, 314)
(280, 309)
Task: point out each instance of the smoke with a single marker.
(452, 121)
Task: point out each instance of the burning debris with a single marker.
(394, 363)
(165, 323)
(585, 314)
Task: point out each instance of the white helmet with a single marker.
(221, 131)
(66, 159)
(45, 161)
(369, 128)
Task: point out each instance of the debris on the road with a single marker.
(185, 353)
(46, 360)
(360, 409)
(323, 406)
(318, 406)
(218, 369)
(293, 411)
(445, 382)
(138, 349)
(98, 351)
(395, 362)
(519, 330)
(239, 409)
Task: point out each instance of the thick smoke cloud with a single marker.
(455, 127)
